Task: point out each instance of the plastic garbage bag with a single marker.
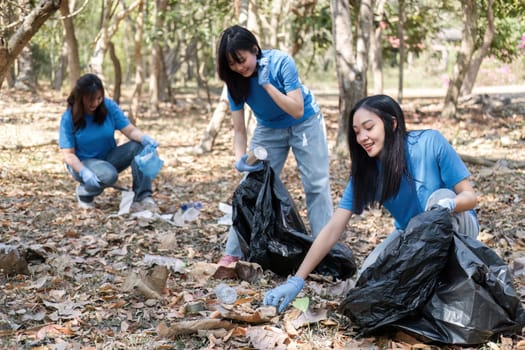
(474, 299)
(400, 273)
(149, 162)
(271, 231)
(437, 284)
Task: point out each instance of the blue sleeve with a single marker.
(290, 75)
(234, 106)
(120, 120)
(348, 197)
(452, 168)
(66, 137)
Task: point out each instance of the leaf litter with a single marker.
(92, 279)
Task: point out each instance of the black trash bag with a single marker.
(474, 300)
(466, 299)
(272, 233)
(400, 274)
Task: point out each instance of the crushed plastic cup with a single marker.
(225, 294)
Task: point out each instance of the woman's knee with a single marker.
(105, 171)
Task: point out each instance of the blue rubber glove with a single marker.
(283, 295)
(447, 203)
(89, 178)
(241, 165)
(263, 71)
(148, 140)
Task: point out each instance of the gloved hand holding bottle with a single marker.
(242, 166)
(447, 203)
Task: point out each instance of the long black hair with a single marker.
(232, 40)
(370, 184)
(87, 86)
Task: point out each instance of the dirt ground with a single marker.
(73, 296)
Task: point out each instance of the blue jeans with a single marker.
(308, 143)
(107, 170)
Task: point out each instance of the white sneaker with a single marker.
(85, 205)
(145, 204)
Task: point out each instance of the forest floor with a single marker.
(90, 282)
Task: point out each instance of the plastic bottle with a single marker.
(186, 206)
(225, 294)
(191, 211)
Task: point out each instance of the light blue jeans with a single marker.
(308, 143)
(107, 171)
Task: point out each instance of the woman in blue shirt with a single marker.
(406, 172)
(88, 145)
(287, 115)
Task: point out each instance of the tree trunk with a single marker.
(214, 126)
(101, 44)
(61, 69)
(11, 47)
(376, 48)
(26, 79)
(351, 70)
(212, 130)
(156, 63)
(401, 37)
(139, 67)
(73, 60)
(480, 54)
(118, 72)
(464, 57)
(108, 28)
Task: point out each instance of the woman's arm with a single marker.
(292, 102)
(240, 139)
(132, 132)
(326, 239)
(71, 159)
(466, 197)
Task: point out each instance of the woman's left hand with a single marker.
(263, 71)
(148, 140)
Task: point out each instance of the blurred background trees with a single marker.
(161, 48)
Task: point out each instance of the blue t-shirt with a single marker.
(432, 164)
(93, 141)
(284, 76)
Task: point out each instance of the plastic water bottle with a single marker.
(191, 211)
(186, 206)
(225, 294)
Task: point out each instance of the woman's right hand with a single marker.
(89, 178)
(242, 166)
(284, 294)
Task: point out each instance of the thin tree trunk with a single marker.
(73, 60)
(118, 72)
(109, 26)
(351, 70)
(214, 126)
(376, 48)
(481, 53)
(463, 58)
(401, 36)
(26, 79)
(156, 59)
(60, 71)
(212, 130)
(139, 67)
